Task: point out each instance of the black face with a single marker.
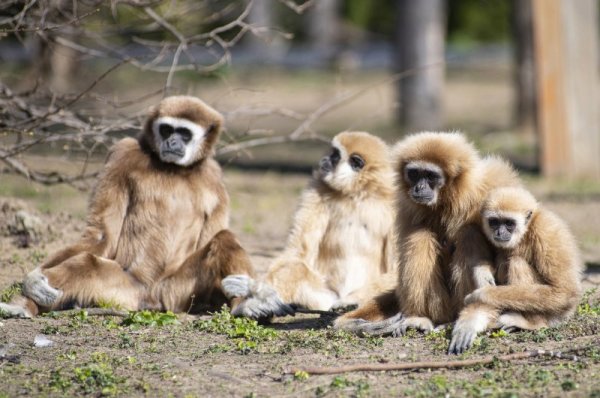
(330, 162)
(424, 183)
(174, 139)
(502, 228)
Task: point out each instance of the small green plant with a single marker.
(10, 292)
(150, 318)
(589, 308)
(246, 333)
(96, 376)
(58, 382)
(301, 375)
(340, 382)
(498, 334)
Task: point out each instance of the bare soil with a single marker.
(99, 355)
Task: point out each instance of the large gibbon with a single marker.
(442, 182)
(537, 267)
(341, 247)
(156, 235)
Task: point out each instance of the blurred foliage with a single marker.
(478, 21)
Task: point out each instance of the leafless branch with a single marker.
(439, 364)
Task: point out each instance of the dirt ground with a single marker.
(219, 356)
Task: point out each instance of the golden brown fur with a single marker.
(539, 270)
(156, 234)
(438, 242)
(340, 249)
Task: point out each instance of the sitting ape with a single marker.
(537, 264)
(341, 247)
(156, 235)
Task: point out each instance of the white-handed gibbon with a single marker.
(341, 247)
(538, 270)
(442, 182)
(156, 235)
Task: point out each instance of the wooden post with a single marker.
(568, 84)
(420, 43)
(524, 73)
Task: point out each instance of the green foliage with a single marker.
(96, 377)
(301, 375)
(150, 318)
(58, 382)
(10, 292)
(496, 334)
(246, 333)
(589, 305)
(476, 21)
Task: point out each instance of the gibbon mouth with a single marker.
(175, 153)
(502, 239)
(423, 199)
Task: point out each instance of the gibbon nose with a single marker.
(325, 164)
(174, 144)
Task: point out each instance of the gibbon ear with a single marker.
(528, 216)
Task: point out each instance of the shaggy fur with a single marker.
(341, 246)
(540, 272)
(156, 234)
(438, 243)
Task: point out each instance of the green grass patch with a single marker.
(150, 318)
(245, 333)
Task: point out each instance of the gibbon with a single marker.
(537, 265)
(341, 246)
(156, 235)
(442, 182)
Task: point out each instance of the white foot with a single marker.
(37, 288)
(14, 311)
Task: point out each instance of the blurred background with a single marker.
(519, 77)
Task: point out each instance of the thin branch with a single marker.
(298, 8)
(384, 367)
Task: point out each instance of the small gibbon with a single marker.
(538, 270)
(156, 235)
(441, 184)
(341, 247)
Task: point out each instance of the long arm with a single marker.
(107, 207)
(421, 289)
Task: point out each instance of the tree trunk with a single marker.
(566, 50)
(420, 44)
(524, 74)
(324, 28)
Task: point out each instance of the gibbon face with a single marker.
(356, 160)
(428, 162)
(424, 180)
(183, 130)
(506, 214)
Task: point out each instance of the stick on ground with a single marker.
(433, 364)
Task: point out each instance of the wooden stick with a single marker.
(431, 365)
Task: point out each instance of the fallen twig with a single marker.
(435, 364)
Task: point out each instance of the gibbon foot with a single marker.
(37, 288)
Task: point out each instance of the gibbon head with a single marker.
(182, 130)
(357, 162)
(506, 215)
(434, 166)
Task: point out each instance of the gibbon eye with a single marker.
(356, 162)
(165, 130)
(335, 155)
(186, 134)
(510, 223)
(412, 174)
(493, 222)
(432, 177)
